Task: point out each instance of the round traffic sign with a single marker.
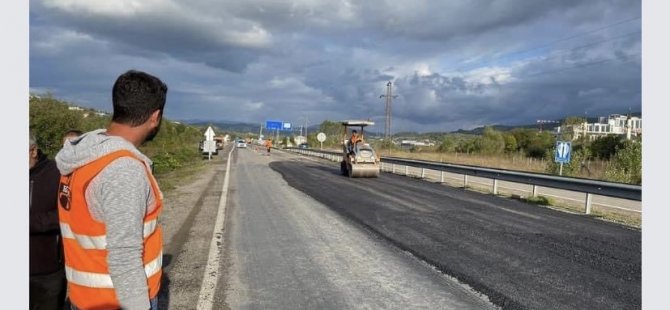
(321, 137)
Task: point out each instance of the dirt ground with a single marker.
(178, 201)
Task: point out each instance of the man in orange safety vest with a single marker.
(109, 203)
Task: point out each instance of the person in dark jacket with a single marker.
(47, 274)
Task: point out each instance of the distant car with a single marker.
(241, 144)
(303, 145)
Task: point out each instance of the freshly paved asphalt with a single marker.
(285, 250)
(521, 256)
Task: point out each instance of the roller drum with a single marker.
(364, 171)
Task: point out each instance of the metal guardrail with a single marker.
(590, 187)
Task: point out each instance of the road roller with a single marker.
(359, 159)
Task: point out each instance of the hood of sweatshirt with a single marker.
(91, 146)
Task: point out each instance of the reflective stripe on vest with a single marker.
(85, 244)
(103, 280)
(99, 242)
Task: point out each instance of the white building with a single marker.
(411, 143)
(614, 124)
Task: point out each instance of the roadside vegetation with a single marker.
(609, 158)
(174, 151)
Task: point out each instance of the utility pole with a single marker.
(260, 132)
(304, 125)
(628, 125)
(387, 125)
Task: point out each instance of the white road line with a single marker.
(208, 287)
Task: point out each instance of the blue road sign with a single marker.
(562, 154)
(286, 126)
(273, 125)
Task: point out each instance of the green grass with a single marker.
(540, 200)
(630, 219)
(168, 181)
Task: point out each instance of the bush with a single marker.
(510, 143)
(626, 165)
(577, 161)
(605, 147)
(448, 144)
(491, 142)
(466, 146)
(175, 145)
(541, 200)
(538, 145)
(49, 119)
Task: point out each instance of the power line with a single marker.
(559, 40)
(579, 35)
(588, 64)
(589, 45)
(630, 57)
(595, 43)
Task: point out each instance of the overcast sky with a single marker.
(453, 64)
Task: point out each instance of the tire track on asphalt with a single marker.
(548, 260)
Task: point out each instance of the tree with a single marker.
(540, 144)
(448, 144)
(605, 147)
(491, 142)
(626, 165)
(574, 120)
(570, 125)
(510, 143)
(174, 146)
(333, 131)
(523, 137)
(466, 146)
(311, 139)
(49, 119)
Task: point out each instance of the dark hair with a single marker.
(135, 96)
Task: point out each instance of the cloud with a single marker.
(453, 65)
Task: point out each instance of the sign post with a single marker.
(562, 154)
(274, 125)
(209, 146)
(321, 137)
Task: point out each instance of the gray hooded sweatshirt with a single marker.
(119, 196)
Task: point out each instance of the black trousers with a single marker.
(47, 292)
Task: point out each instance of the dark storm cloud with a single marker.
(161, 29)
(453, 65)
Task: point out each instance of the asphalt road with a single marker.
(519, 255)
(188, 221)
(298, 235)
(285, 250)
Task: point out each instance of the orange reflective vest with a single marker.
(354, 139)
(89, 283)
